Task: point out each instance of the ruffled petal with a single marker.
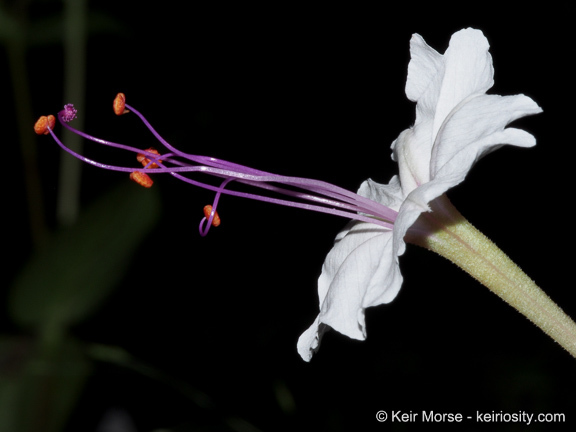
(475, 129)
(412, 152)
(360, 271)
(390, 195)
(425, 72)
(439, 84)
(357, 274)
(468, 71)
(309, 341)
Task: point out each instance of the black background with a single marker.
(315, 92)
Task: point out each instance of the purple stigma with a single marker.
(69, 113)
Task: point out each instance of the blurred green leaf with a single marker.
(9, 27)
(68, 279)
(49, 29)
(39, 387)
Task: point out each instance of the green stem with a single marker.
(16, 50)
(445, 231)
(75, 16)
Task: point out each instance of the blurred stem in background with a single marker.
(14, 28)
(15, 31)
(75, 34)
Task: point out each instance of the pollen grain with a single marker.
(208, 211)
(141, 178)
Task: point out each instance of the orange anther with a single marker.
(120, 104)
(43, 124)
(141, 178)
(207, 211)
(144, 160)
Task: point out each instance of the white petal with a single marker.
(309, 341)
(468, 71)
(389, 195)
(412, 147)
(360, 271)
(412, 150)
(425, 66)
(475, 129)
(439, 84)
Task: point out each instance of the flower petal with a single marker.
(475, 129)
(360, 271)
(389, 195)
(309, 341)
(439, 84)
(468, 71)
(412, 151)
(425, 70)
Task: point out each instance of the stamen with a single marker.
(145, 161)
(120, 104)
(303, 193)
(141, 178)
(44, 124)
(208, 213)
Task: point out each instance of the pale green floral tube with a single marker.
(445, 231)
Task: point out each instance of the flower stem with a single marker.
(446, 232)
(75, 15)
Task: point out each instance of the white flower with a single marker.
(456, 124)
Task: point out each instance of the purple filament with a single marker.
(304, 193)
